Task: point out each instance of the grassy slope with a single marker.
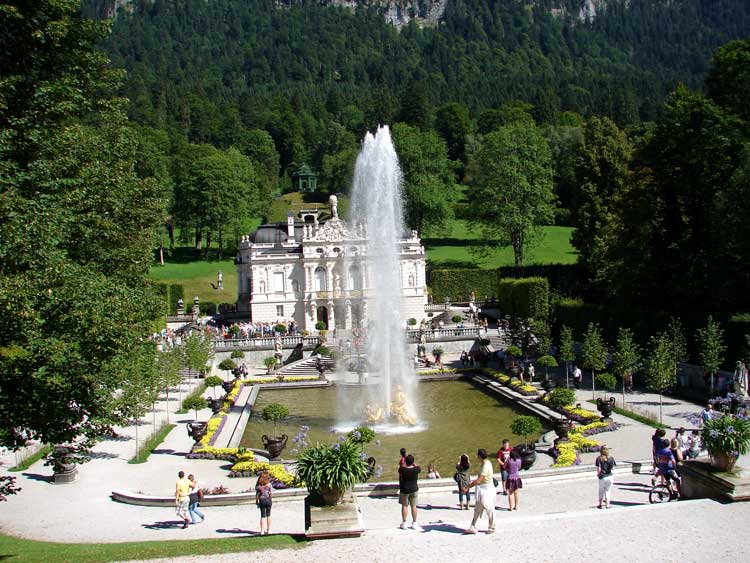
(16, 550)
(452, 250)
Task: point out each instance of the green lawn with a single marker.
(452, 250)
(197, 277)
(15, 550)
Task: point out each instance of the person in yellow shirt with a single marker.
(182, 497)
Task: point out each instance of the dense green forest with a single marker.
(229, 97)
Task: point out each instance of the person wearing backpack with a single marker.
(264, 500)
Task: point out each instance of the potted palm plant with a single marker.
(329, 470)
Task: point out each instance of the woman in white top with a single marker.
(484, 494)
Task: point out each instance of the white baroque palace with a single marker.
(310, 271)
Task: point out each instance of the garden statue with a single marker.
(740, 380)
(399, 410)
(333, 202)
(374, 416)
(277, 347)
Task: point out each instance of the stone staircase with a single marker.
(305, 367)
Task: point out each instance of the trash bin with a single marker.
(636, 467)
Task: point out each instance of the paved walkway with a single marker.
(558, 517)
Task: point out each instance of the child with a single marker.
(432, 472)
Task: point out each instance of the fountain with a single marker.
(376, 208)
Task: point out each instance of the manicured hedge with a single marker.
(523, 297)
(527, 298)
(171, 293)
(458, 284)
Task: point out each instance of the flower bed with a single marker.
(523, 388)
(280, 477)
(285, 379)
(229, 454)
(581, 416)
(579, 443)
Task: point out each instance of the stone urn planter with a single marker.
(548, 385)
(331, 496)
(196, 430)
(562, 427)
(605, 407)
(723, 461)
(215, 404)
(227, 386)
(528, 455)
(274, 445)
(65, 469)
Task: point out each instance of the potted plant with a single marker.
(329, 470)
(227, 365)
(215, 402)
(320, 325)
(412, 322)
(274, 412)
(457, 318)
(726, 438)
(237, 354)
(511, 354)
(605, 406)
(526, 426)
(270, 363)
(280, 328)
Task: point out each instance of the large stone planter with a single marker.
(197, 430)
(723, 461)
(274, 445)
(65, 470)
(562, 427)
(605, 407)
(528, 455)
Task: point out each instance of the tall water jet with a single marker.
(376, 205)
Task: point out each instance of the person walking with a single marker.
(407, 492)
(264, 501)
(182, 498)
(484, 494)
(604, 466)
(513, 483)
(194, 502)
(463, 479)
(577, 377)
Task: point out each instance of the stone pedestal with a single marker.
(66, 476)
(341, 521)
(701, 480)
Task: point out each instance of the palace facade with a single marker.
(313, 271)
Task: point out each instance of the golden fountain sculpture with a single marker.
(399, 411)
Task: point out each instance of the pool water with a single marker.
(455, 417)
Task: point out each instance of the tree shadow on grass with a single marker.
(456, 264)
(250, 533)
(448, 241)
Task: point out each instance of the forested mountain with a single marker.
(224, 58)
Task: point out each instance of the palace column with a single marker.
(331, 316)
(348, 319)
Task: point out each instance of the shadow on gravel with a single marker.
(165, 525)
(435, 507)
(625, 503)
(167, 451)
(38, 477)
(443, 527)
(103, 455)
(653, 403)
